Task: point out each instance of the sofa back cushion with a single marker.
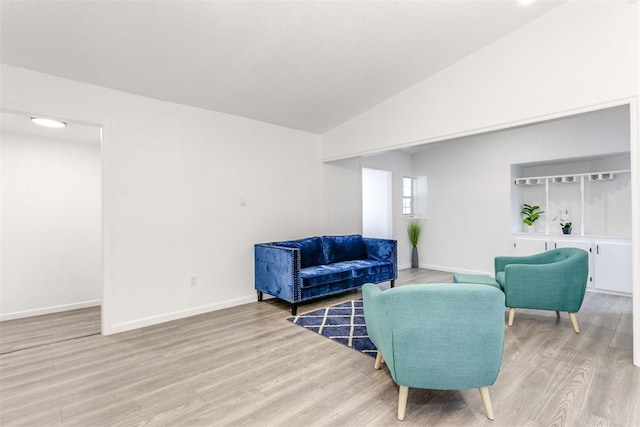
(344, 248)
(311, 251)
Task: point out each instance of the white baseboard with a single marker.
(167, 317)
(49, 310)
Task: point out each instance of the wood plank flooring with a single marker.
(28, 332)
(249, 366)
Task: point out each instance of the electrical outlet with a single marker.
(193, 280)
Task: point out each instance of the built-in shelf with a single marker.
(568, 179)
(605, 176)
(591, 201)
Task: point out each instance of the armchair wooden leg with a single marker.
(574, 322)
(402, 401)
(512, 314)
(558, 314)
(379, 361)
(486, 401)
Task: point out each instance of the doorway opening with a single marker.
(50, 230)
(377, 217)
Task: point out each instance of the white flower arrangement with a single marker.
(565, 219)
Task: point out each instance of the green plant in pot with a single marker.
(414, 229)
(529, 215)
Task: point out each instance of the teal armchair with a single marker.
(437, 336)
(555, 280)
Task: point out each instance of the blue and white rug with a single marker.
(342, 323)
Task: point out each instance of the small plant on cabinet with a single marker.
(565, 220)
(530, 214)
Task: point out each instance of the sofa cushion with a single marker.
(500, 278)
(324, 274)
(371, 269)
(344, 248)
(311, 251)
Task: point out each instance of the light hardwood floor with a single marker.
(29, 332)
(248, 365)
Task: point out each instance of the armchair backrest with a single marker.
(556, 255)
(437, 336)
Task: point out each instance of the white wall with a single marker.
(343, 196)
(50, 228)
(470, 212)
(173, 180)
(577, 55)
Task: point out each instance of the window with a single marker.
(408, 195)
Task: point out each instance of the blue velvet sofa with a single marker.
(300, 270)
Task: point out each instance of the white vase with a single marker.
(530, 228)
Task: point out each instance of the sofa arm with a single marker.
(383, 250)
(277, 271)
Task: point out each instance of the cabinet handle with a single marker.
(555, 245)
(545, 246)
(597, 249)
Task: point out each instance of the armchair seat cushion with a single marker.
(477, 279)
(500, 278)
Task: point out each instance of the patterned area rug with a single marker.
(342, 323)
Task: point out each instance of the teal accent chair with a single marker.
(437, 336)
(555, 280)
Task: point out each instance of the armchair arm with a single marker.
(277, 271)
(378, 327)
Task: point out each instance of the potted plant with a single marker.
(529, 216)
(414, 231)
(565, 221)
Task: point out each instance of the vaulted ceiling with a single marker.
(308, 65)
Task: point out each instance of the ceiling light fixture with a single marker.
(50, 123)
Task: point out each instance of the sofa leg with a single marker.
(512, 314)
(259, 296)
(294, 309)
(393, 283)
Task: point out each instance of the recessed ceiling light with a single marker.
(50, 123)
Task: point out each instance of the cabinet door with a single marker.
(568, 243)
(525, 246)
(612, 266)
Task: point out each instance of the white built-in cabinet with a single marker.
(609, 258)
(597, 193)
